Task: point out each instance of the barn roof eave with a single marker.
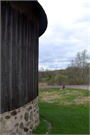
(42, 19)
(41, 14)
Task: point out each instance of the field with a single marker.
(63, 111)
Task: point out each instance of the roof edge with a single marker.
(42, 18)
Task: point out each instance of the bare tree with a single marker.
(79, 68)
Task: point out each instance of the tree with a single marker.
(79, 68)
(61, 80)
(42, 69)
(51, 81)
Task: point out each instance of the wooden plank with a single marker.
(16, 61)
(20, 60)
(24, 60)
(35, 66)
(26, 45)
(10, 63)
(34, 40)
(31, 62)
(27, 61)
(14, 99)
(37, 51)
(3, 75)
(17, 88)
(8, 59)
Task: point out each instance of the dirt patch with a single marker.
(67, 93)
(42, 84)
(60, 96)
(47, 101)
(74, 91)
(67, 103)
(48, 98)
(77, 92)
(51, 93)
(46, 93)
(86, 99)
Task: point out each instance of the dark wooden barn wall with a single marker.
(19, 59)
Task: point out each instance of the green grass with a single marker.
(42, 128)
(66, 121)
(65, 118)
(64, 97)
(44, 79)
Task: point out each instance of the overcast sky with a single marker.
(67, 32)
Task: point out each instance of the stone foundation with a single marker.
(20, 121)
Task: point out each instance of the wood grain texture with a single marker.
(19, 58)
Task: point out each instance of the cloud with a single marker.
(66, 34)
(84, 18)
(86, 4)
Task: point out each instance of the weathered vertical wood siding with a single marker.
(19, 58)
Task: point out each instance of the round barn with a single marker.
(22, 23)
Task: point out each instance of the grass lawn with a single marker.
(44, 79)
(67, 111)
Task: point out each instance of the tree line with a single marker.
(77, 72)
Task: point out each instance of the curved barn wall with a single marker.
(19, 70)
(19, 59)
